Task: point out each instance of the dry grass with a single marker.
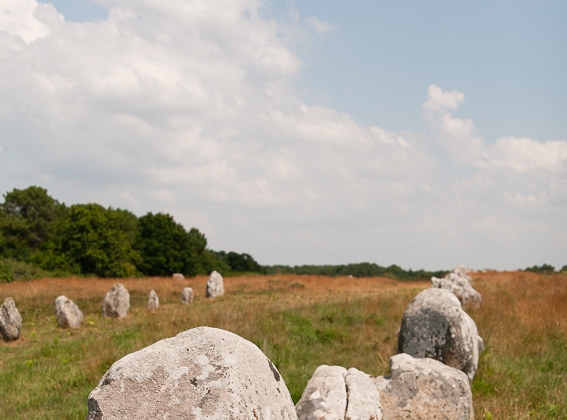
(300, 322)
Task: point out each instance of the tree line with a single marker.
(41, 236)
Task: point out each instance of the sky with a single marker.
(422, 134)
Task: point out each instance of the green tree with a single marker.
(166, 247)
(544, 269)
(99, 241)
(27, 220)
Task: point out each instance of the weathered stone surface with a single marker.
(178, 276)
(203, 373)
(68, 313)
(333, 393)
(435, 325)
(116, 302)
(460, 287)
(187, 296)
(363, 398)
(215, 285)
(153, 301)
(325, 396)
(424, 389)
(10, 320)
(462, 271)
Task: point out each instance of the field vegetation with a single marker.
(300, 322)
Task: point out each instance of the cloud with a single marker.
(190, 107)
(468, 147)
(17, 18)
(321, 27)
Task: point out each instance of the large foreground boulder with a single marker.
(116, 302)
(10, 320)
(334, 393)
(203, 373)
(215, 285)
(424, 389)
(434, 325)
(459, 283)
(68, 313)
(187, 296)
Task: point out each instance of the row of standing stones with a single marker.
(115, 304)
(208, 373)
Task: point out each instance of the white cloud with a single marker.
(321, 27)
(468, 147)
(189, 107)
(523, 155)
(17, 18)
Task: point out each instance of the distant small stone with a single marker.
(423, 389)
(68, 313)
(153, 301)
(116, 303)
(462, 271)
(458, 282)
(215, 285)
(187, 296)
(10, 320)
(178, 276)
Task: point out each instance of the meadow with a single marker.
(300, 322)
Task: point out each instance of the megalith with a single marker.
(153, 301)
(435, 325)
(187, 296)
(10, 320)
(424, 389)
(334, 393)
(202, 373)
(68, 313)
(458, 282)
(215, 285)
(116, 303)
(178, 276)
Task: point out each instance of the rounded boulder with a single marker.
(10, 320)
(434, 325)
(68, 313)
(116, 303)
(200, 373)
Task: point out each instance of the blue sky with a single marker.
(422, 134)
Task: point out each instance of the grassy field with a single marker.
(300, 322)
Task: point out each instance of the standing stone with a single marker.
(461, 287)
(178, 276)
(434, 325)
(10, 320)
(363, 398)
(116, 302)
(424, 389)
(187, 296)
(203, 373)
(325, 396)
(215, 285)
(68, 313)
(153, 301)
(334, 393)
(462, 271)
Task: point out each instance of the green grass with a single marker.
(49, 372)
